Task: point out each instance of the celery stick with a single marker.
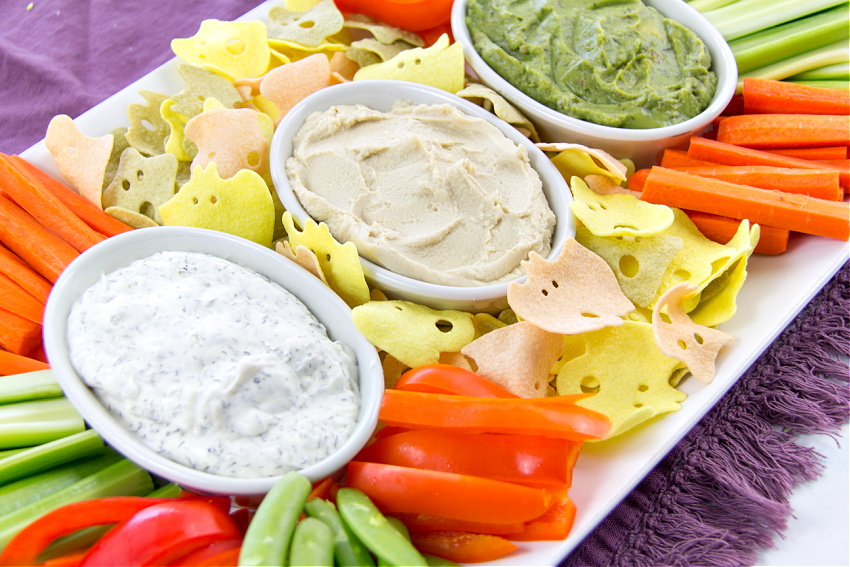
(706, 5)
(842, 84)
(834, 72)
(119, 479)
(26, 491)
(55, 409)
(28, 434)
(29, 386)
(169, 490)
(10, 452)
(749, 16)
(793, 38)
(838, 52)
(48, 455)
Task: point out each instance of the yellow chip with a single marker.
(286, 85)
(148, 130)
(484, 323)
(382, 32)
(680, 338)
(441, 66)
(232, 138)
(617, 215)
(340, 262)
(302, 256)
(412, 333)
(517, 357)
(498, 105)
(639, 262)
(130, 218)
(176, 123)
(626, 370)
(81, 160)
(142, 184)
(584, 160)
(241, 205)
(575, 293)
(231, 49)
(308, 28)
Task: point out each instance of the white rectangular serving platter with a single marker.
(776, 290)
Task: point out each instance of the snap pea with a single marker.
(432, 560)
(312, 544)
(375, 531)
(268, 537)
(348, 550)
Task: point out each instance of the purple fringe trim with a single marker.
(721, 494)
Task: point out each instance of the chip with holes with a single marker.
(148, 130)
(119, 144)
(241, 205)
(370, 51)
(302, 256)
(286, 85)
(309, 28)
(678, 337)
(130, 218)
(484, 323)
(142, 184)
(383, 32)
(575, 293)
(202, 85)
(232, 138)
(639, 262)
(517, 357)
(176, 122)
(441, 65)
(492, 101)
(81, 159)
(413, 334)
(617, 215)
(231, 49)
(585, 159)
(625, 369)
(340, 263)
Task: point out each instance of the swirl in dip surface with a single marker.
(425, 191)
(214, 366)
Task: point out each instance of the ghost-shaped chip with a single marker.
(302, 256)
(148, 130)
(288, 84)
(232, 49)
(82, 160)
(232, 139)
(678, 337)
(142, 184)
(575, 293)
(309, 28)
(413, 334)
(617, 215)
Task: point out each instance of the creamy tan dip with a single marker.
(425, 191)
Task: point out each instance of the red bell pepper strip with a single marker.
(163, 533)
(464, 497)
(429, 523)
(557, 417)
(411, 15)
(554, 525)
(26, 546)
(242, 517)
(524, 459)
(321, 489)
(448, 379)
(72, 559)
(218, 553)
(462, 547)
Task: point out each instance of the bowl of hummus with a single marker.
(442, 199)
(630, 77)
(212, 361)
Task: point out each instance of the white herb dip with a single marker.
(214, 366)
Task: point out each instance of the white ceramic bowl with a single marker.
(122, 250)
(381, 95)
(643, 146)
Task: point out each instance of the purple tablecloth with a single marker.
(716, 499)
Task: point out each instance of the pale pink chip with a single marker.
(81, 160)
(302, 256)
(678, 337)
(517, 357)
(342, 68)
(230, 137)
(602, 185)
(286, 85)
(576, 293)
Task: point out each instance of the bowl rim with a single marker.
(124, 248)
(384, 278)
(724, 66)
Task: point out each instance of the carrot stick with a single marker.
(46, 208)
(18, 335)
(91, 215)
(730, 154)
(799, 213)
(11, 363)
(44, 251)
(680, 158)
(777, 97)
(21, 273)
(820, 183)
(842, 165)
(16, 299)
(826, 152)
(721, 230)
(637, 179)
(784, 130)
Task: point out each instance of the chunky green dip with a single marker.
(612, 62)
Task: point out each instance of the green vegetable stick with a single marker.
(270, 532)
(838, 52)
(29, 386)
(348, 550)
(375, 531)
(312, 544)
(47, 455)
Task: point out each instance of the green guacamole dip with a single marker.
(612, 62)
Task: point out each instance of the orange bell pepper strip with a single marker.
(430, 523)
(448, 379)
(557, 417)
(554, 525)
(396, 489)
(462, 547)
(529, 460)
(411, 15)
